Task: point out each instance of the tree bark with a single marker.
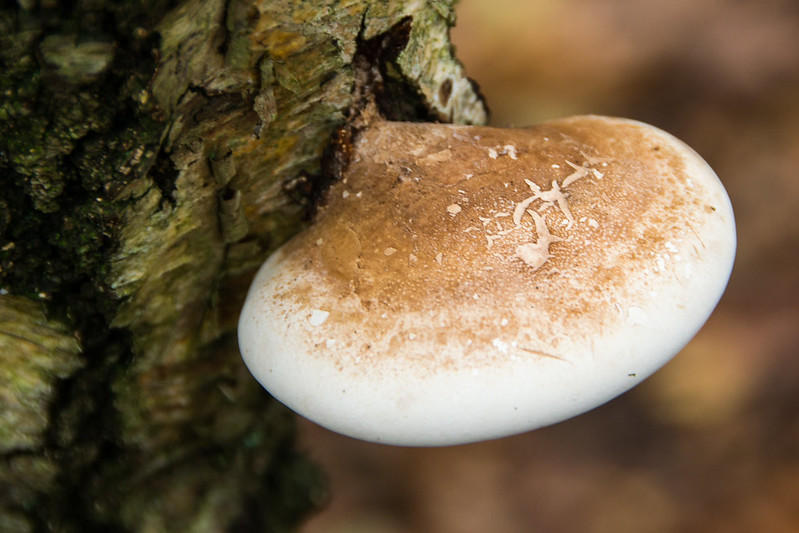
(152, 155)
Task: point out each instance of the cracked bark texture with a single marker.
(146, 150)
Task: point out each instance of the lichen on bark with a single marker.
(147, 153)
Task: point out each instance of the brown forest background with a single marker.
(710, 443)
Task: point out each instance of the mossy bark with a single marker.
(147, 156)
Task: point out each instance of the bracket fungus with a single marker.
(465, 283)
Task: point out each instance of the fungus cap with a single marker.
(466, 283)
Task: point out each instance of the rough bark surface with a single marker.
(152, 154)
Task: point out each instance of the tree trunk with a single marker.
(152, 155)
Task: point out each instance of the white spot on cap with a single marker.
(453, 209)
(390, 251)
(318, 317)
(501, 346)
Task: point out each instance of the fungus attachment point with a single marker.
(472, 293)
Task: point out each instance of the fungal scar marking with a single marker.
(544, 354)
(579, 173)
(535, 254)
(553, 196)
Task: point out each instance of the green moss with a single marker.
(66, 148)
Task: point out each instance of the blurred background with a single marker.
(711, 442)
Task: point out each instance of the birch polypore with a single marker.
(466, 283)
